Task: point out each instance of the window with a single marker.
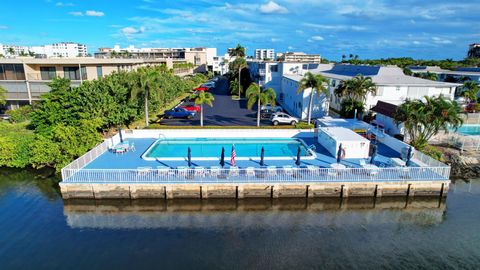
(99, 72)
(71, 73)
(397, 88)
(334, 82)
(379, 91)
(305, 66)
(12, 72)
(84, 72)
(48, 73)
(274, 68)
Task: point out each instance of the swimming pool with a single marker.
(469, 130)
(211, 148)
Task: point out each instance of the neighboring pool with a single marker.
(469, 130)
(211, 148)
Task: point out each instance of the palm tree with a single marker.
(355, 91)
(424, 119)
(316, 84)
(11, 51)
(147, 82)
(255, 94)
(238, 51)
(470, 91)
(203, 98)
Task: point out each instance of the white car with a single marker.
(272, 108)
(283, 118)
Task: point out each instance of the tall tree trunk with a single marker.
(310, 107)
(258, 113)
(201, 115)
(146, 110)
(239, 84)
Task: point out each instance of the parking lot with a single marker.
(225, 111)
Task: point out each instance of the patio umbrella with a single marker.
(339, 153)
(189, 157)
(262, 156)
(374, 153)
(120, 133)
(222, 158)
(409, 155)
(297, 162)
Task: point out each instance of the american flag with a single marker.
(232, 158)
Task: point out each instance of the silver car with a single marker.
(283, 118)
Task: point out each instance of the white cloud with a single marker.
(61, 4)
(290, 47)
(93, 13)
(130, 31)
(272, 7)
(76, 13)
(275, 40)
(317, 38)
(335, 27)
(3, 27)
(438, 40)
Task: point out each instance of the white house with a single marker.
(392, 86)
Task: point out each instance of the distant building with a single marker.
(63, 49)
(385, 118)
(474, 50)
(264, 54)
(201, 58)
(458, 75)
(299, 57)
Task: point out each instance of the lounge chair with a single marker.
(199, 171)
(163, 170)
(271, 171)
(250, 172)
(132, 147)
(233, 171)
(143, 170)
(214, 171)
(288, 170)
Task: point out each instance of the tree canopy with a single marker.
(424, 119)
(317, 85)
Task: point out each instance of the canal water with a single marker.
(38, 230)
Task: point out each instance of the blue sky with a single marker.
(371, 29)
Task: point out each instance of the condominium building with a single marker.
(63, 49)
(458, 75)
(474, 50)
(26, 79)
(200, 57)
(299, 57)
(264, 54)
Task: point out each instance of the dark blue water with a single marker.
(39, 231)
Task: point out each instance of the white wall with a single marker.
(217, 133)
(297, 104)
(389, 124)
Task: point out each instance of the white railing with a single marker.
(257, 175)
(82, 161)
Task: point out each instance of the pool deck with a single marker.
(102, 173)
(133, 159)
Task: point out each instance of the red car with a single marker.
(191, 107)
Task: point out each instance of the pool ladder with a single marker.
(161, 136)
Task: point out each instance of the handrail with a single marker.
(257, 175)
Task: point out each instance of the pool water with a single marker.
(469, 130)
(211, 148)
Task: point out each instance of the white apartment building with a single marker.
(299, 57)
(393, 86)
(63, 49)
(264, 54)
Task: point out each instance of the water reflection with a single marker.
(252, 213)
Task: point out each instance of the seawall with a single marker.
(241, 191)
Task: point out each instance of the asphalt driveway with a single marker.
(225, 111)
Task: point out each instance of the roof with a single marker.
(471, 71)
(385, 108)
(342, 134)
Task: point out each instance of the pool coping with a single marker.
(312, 153)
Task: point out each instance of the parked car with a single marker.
(283, 118)
(273, 108)
(191, 107)
(214, 79)
(266, 113)
(472, 107)
(179, 113)
(4, 117)
(209, 84)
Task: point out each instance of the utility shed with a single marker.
(355, 146)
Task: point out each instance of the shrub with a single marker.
(20, 114)
(433, 152)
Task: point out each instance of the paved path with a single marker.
(225, 111)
